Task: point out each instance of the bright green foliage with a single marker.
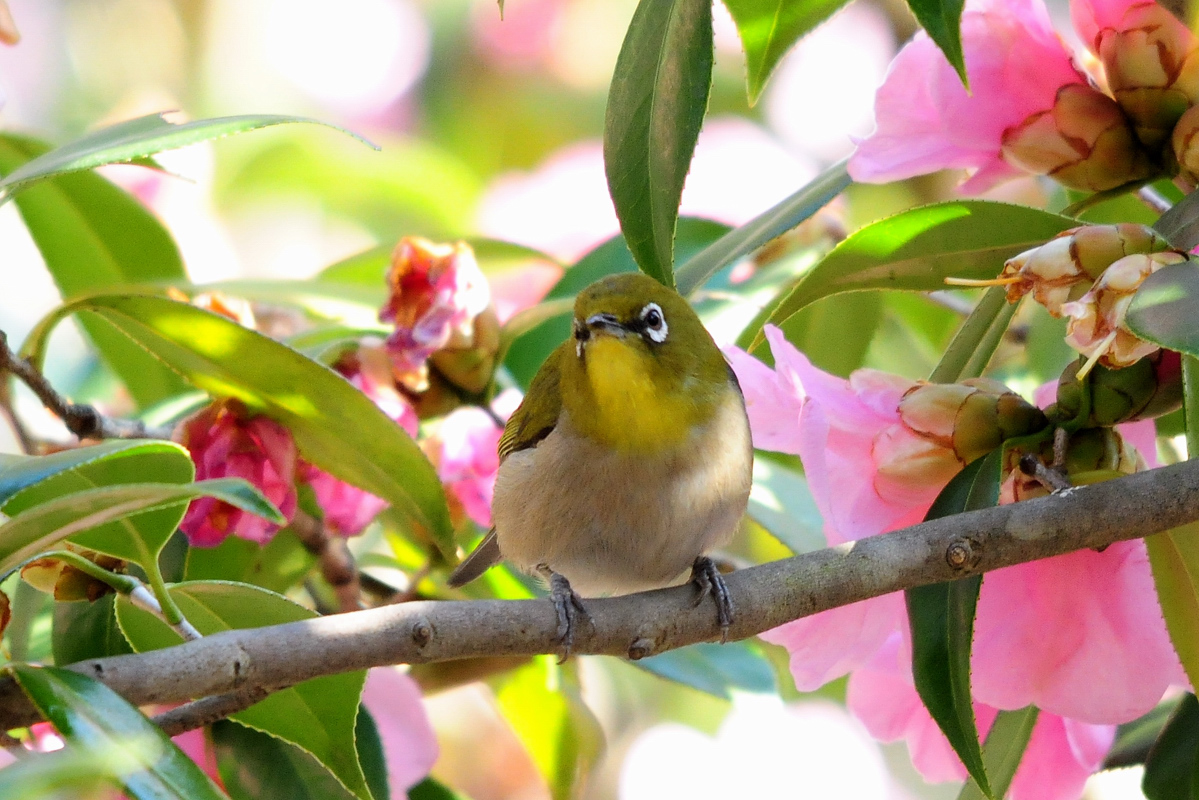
(317, 716)
(656, 105)
(1166, 306)
(941, 19)
(768, 29)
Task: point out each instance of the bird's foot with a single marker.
(709, 581)
(569, 608)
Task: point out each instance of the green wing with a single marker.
(538, 414)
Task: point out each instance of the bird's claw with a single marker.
(709, 581)
(570, 610)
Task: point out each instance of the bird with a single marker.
(627, 462)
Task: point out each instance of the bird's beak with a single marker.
(605, 324)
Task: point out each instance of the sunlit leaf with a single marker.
(942, 625)
(317, 715)
(135, 138)
(916, 250)
(656, 104)
(941, 19)
(1165, 307)
(1174, 559)
(768, 29)
(1003, 751)
(93, 717)
(335, 426)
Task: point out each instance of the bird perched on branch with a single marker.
(629, 459)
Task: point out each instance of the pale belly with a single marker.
(613, 523)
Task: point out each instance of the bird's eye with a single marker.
(654, 322)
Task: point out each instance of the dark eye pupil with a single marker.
(653, 319)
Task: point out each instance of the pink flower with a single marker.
(1061, 755)
(409, 744)
(226, 442)
(1029, 109)
(464, 449)
(1080, 635)
(437, 292)
(348, 509)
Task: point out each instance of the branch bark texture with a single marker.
(640, 625)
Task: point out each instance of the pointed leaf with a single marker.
(716, 669)
(942, 624)
(1180, 225)
(768, 29)
(1170, 769)
(94, 236)
(977, 339)
(19, 472)
(656, 106)
(318, 715)
(942, 20)
(1003, 751)
(82, 516)
(136, 138)
(257, 766)
(762, 229)
(93, 717)
(1135, 739)
(1174, 559)
(335, 426)
(916, 250)
(1165, 307)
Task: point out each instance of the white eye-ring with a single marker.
(654, 322)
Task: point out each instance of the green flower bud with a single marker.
(1146, 390)
(970, 418)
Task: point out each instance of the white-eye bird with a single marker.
(629, 459)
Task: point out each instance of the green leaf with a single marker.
(1174, 559)
(136, 138)
(370, 754)
(431, 789)
(1135, 739)
(530, 349)
(257, 766)
(1004, 749)
(835, 332)
(86, 630)
(277, 566)
(318, 715)
(916, 250)
(768, 29)
(93, 717)
(942, 19)
(942, 624)
(714, 668)
(1165, 307)
(1170, 769)
(336, 427)
(67, 773)
(975, 342)
(551, 721)
(780, 501)
(762, 229)
(1180, 225)
(93, 236)
(19, 472)
(656, 106)
(82, 516)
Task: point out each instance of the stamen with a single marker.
(1104, 346)
(984, 281)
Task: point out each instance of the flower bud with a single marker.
(470, 368)
(1152, 69)
(1090, 453)
(1096, 327)
(226, 441)
(437, 294)
(1083, 142)
(949, 425)
(1186, 148)
(1145, 390)
(1064, 268)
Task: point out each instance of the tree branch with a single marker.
(640, 625)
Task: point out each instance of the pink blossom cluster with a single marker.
(1080, 636)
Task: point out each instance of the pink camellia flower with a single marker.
(225, 441)
(1029, 109)
(348, 509)
(1100, 608)
(463, 448)
(409, 744)
(437, 294)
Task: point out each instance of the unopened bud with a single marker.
(1147, 389)
(67, 583)
(1083, 142)
(1064, 268)
(1097, 328)
(1089, 453)
(470, 368)
(1152, 69)
(1186, 146)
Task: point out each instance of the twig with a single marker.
(640, 625)
(207, 710)
(82, 420)
(1154, 199)
(336, 560)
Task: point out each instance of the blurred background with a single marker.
(490, 128)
